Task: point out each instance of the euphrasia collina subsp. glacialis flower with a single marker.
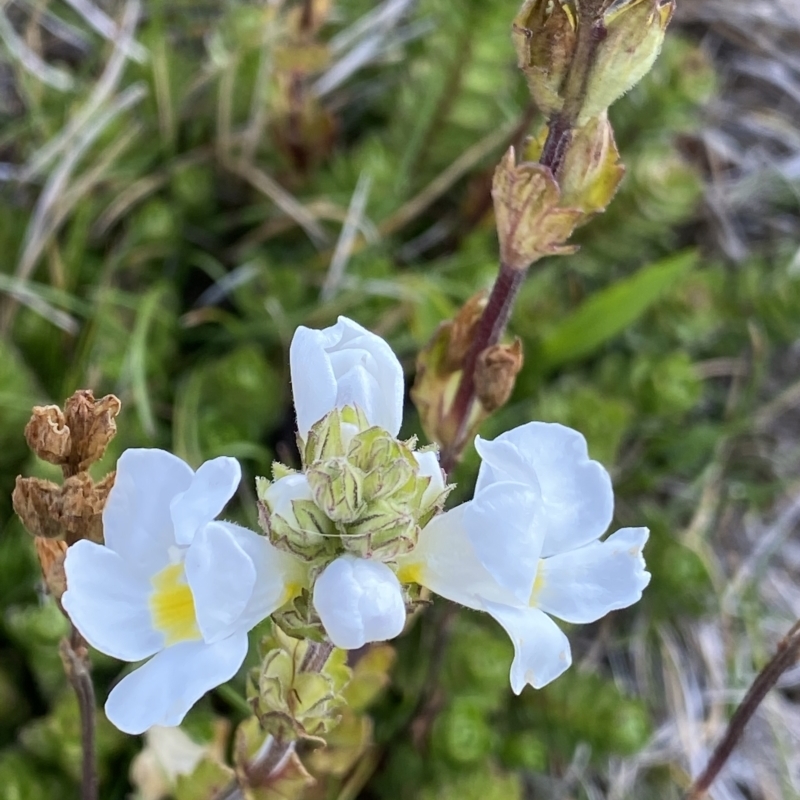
(172, 585)
(365, 514)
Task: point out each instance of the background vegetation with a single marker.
(184, 183)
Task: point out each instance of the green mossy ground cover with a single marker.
(149, 254)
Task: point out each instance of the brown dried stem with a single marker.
(74, 654)
(509, 281)
(786, 656)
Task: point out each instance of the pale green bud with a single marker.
(628, 37)
(290, 702)
(388, 464)
(635, 31)
(338, 489)
(385, 530)
(331, 436)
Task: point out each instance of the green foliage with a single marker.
(608, 313)
(584, 707)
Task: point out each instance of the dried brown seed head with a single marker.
(92, 426)
(530, 220)
(496, 373)
(51, 555)
(70, 512)
(77, 437)
(462, 331)
(48, 435)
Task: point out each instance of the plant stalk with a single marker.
(497, 313)
(786, 656)
(76, 665)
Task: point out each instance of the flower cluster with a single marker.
(350, 539)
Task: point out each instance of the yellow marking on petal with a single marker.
(290, 591)
(172, 606)
(411, 573)
(538, 584)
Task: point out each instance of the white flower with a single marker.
(358, 601)
(167, 754)
(345, 365)
(172, 583)
(528, 546)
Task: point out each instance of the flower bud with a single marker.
(385, 530)
(628, 37)
(359, 601)
(544, 34)
(345, 365)
(635, 31)
(331, 435)
(439, 366)
(292, 703)
(388, 465)
(531, 222)
(338, 489)
(496, 373)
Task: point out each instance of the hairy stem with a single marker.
(497, 313)
(490, 328)
(786, 656)
(492, 325)
(74, 655)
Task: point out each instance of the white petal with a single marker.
(385, 406)
(577, 498)
(108, 603)
(342, 365)
(502, 461)
(429, 468)
(504, 527)
(585, 584)
(279, 495)
(445, 562)
(356, 385)
(136, 518)
(359, 601)
(279, 575)
(161, 691)
(541, 650)
(222, 578)
(313, 381)
(211, 488)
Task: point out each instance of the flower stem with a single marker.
(494, 320)
(786, 656)
(490, 328)
(74, 655)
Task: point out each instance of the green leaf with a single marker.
(609, 312)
